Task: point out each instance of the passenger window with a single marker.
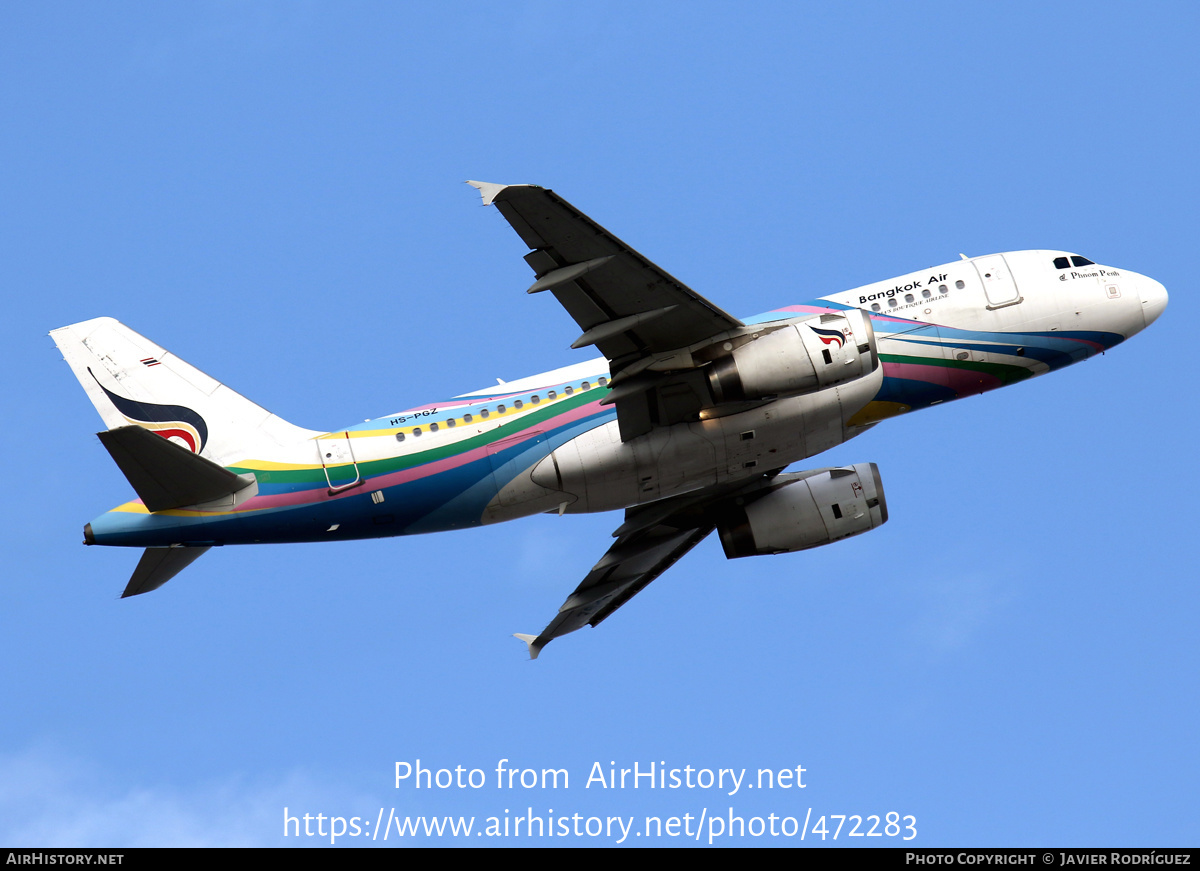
(483, 412)
(551, 395)
(943, 289)
(452, 423)
(399, 436)
(926, 294)
(416, 432)
(518, 404)
(892, 302)
(433, 427)
(1061, 263)
(960, 284)
(587, 386)
(499, 409)
(875, 307)
(467, 418)
(569, 391)
(1080, 261)
(908, 297)
(535, 399)
(603, 381)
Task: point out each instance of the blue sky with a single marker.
(274, 192)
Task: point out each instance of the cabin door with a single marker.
(336, 454)
(998, 281)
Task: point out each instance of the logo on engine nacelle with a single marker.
(828, 337)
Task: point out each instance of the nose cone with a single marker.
(1154, 299)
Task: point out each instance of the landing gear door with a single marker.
(998, 282)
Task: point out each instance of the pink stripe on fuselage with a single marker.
(321, 494)
(961, 381)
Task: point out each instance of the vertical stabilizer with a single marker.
(131, 380)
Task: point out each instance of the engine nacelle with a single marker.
(805, 510)
(799, 358)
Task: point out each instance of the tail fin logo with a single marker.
(173, 422)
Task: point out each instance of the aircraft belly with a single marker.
(780, 433)
(598, 472)
(687, 459)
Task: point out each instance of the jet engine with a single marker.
(798, 358)
(804, 510)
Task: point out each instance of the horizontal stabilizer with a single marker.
(166, 475)
(158, 565)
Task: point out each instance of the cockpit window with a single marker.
(1075, 260)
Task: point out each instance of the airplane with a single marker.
(686, 423)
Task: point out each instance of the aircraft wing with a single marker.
(624, 571)
(630, 309)
(651, 540)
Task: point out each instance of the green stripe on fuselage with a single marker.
(1006, 373)
(373, 468)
